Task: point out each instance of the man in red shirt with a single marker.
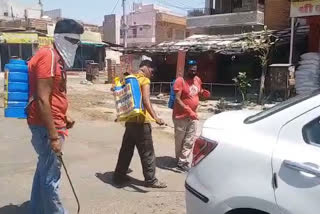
(185, 118)
(47, 113)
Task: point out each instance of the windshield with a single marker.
(281, 106)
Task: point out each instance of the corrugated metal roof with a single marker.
(224, 44)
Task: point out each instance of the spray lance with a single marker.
(59, 155)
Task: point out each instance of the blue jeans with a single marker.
(45, 197)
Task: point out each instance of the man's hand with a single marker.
(56, 146)
(193, 115)
(160, 122)
(206, 94)
(70, 122)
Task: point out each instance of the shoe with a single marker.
(120, 179)
(157, 185)
(183, 167)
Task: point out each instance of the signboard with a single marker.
(20, 38)
(45, 41)
(303, 8)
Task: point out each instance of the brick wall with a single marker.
(277, 14)
(314, 34)
(169, 32)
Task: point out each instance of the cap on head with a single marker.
(68, 26)
(192, 62)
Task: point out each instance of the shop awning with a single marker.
(96, 44)
(45, 41)
(19, 38)
(92, 39)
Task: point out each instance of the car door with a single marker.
(296, 165)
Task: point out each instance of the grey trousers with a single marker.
(185, 134)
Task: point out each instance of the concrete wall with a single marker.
(54, 14)
(113, 55)
(229, 19)
(144, 21)
(169, 32)
(111, 29)
(150, 24)
(277, 13)
(170, 27)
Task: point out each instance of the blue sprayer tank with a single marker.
(128, 98)
(16, 89)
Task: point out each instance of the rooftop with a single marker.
(224, 44)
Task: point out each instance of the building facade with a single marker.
(111, 29)
(149, 25)
(53, 14)
(238, 16)
(11, 9)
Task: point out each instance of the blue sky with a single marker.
(92, 11)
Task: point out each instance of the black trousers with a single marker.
(139, 135)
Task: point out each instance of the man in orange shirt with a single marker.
(187, 90)
(47, 113)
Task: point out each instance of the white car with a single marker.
(258, 163)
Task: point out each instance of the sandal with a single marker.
(156, 185)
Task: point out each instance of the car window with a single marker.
(280, 107)
(311, 132)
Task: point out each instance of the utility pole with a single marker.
(41, 7)
(124, 24)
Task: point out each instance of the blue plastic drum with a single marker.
(16, 89)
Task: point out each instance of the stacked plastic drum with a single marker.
(16, 89)
(308, 73)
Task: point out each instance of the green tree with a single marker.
(243, 83)
(262, 45)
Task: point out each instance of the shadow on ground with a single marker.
(134, 184)
(15, 209)
(167, 163)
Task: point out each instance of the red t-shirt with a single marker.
(190, 90)
(47, 63)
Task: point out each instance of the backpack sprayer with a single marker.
(16, 100)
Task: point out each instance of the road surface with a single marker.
(90, 154)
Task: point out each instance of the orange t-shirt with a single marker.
(190, 90)
(47, 63)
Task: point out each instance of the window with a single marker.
(236, 4)
(134, 32)
(179, 34)
(141, 29)
(261, 5)
(170, 33)
(121, 33)
(6, 14)
(311, 132)
(280, 107)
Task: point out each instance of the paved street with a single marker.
(90, 155)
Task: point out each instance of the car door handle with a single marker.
(301, 167)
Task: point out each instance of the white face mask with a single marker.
(67, 45)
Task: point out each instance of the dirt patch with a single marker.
(95, 105)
